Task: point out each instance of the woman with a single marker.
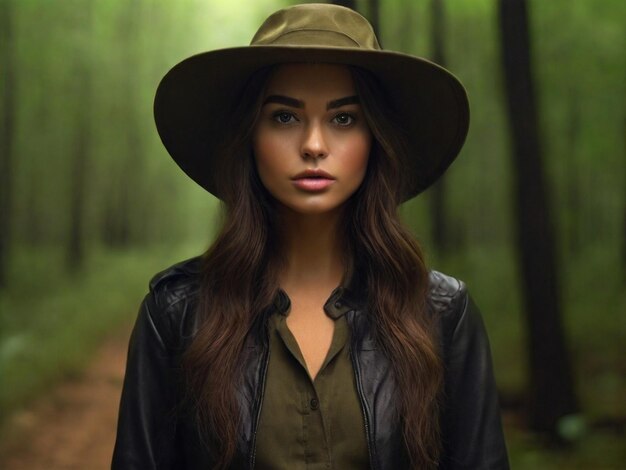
(310, 335)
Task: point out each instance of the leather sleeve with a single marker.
(147, 419)
(471, 428)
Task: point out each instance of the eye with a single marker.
(344, 119)
(284, 117)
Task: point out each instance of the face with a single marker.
(311, 143)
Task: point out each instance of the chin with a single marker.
(313, 207)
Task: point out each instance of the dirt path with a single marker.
(72, 427)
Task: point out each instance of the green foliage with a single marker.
(86, 73)
(599, 450)
(51, 323)
(138, 202)
(580, 75)
(123, 48)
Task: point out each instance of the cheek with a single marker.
(358, 156)
(266, 149)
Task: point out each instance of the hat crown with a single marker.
(315, 25)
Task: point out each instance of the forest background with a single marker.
(91, 205)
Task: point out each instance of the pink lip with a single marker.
(313, 173)
(313, 180)
(312, 184)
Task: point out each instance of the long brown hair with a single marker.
(240, 275)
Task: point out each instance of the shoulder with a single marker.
(451, 304)
(445, 292)
(172, 299)
(470, 421)
(178, 282)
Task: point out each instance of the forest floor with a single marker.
(72, 426)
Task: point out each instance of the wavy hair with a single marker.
(240, 280)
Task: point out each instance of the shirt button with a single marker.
(315, 404)
(338, 304)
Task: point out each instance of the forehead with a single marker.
(308, 80)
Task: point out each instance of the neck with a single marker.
(313, 250)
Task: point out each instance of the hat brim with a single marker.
(191, 99)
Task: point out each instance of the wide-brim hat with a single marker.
(193, 97)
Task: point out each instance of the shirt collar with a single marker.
(341, 300)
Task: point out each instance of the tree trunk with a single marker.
(552, 394)
(76, 234)
(437, 200)
(75, 251)
(132, 189)
(374, 17)
(624, 202)
(123, 211)
(572, 182)
(7, 123)
(346, 3)
(373, 9)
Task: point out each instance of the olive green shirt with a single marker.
(305, 423)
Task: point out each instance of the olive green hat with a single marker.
(193, 96)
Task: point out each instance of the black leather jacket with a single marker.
(154, 431)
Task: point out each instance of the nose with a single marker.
(314, 144)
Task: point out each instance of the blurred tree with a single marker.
(624, 201)
(437, 200)
(370, 9)
(572, 178)
(373, 7)
(82, 145)
(552, 393)
(346, 3)
(7, 121)
(122, 211)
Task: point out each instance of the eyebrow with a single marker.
(286, 100)
(342, 102)
(295, 103)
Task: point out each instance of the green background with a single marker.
(82, 74)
